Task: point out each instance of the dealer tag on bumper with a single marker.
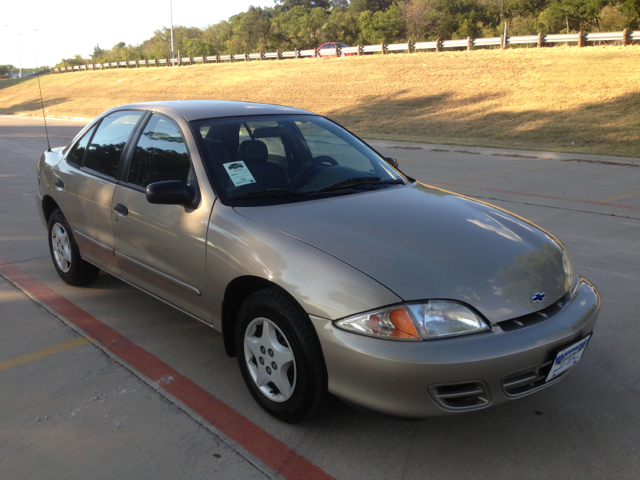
(567, 358)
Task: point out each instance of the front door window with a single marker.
(160, 155)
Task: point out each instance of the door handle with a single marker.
(121, 209)
(59, 184)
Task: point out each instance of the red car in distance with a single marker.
(328, 49)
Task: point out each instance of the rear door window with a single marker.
(76, 154)
(266, 132)
(105, 150)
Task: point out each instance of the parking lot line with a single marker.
(45, 352)
(620, 197)
(271, 451)
(536, 195)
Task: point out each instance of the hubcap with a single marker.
(61, 247)
(270, 359)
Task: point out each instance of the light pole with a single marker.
(20, 46)
(171, 15)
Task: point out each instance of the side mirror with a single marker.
(171, 192)
(393, 161)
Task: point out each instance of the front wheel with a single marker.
(280, 356)
(65, 253)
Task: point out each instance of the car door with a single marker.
(86, 183)
(161, 248)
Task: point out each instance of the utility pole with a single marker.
(20, 48)
(171, 13)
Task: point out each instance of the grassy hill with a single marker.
(561, 99)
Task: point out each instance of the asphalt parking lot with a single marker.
(98, 401)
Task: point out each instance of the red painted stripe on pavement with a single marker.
(538, 196)
(258, 442)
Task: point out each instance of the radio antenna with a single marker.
(46, 131)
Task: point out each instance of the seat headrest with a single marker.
(217, 151)
(253, 151)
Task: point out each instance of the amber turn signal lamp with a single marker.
(403, 323)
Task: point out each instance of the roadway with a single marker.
(71, 406)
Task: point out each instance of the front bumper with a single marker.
(404, 378)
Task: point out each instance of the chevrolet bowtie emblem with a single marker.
(538, 298)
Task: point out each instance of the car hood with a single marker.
(426, 243)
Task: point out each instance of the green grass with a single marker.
(534, 99)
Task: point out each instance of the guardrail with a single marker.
(625, 37)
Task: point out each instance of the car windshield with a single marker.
(289, 156)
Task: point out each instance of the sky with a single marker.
(61, 29)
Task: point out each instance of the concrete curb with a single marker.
(502, 152)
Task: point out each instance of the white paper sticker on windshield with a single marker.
(239, 173)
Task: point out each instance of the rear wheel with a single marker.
(280, 357)
(65, 253)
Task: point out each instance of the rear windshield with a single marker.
(289, 156)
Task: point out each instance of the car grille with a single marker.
(528, 379)
(461, 396)
(536, 317)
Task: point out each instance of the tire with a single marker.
(65, 254)
(291, 383)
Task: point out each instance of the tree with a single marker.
(525, 8)
(195, 47)
(523, 26)
(70, 62)
(219, 35)
(356, 7)
(251, 30)
(580, 13)
(303, 26)
(98, 54)
(612, 19)
(341, 26)
(421, 16)
(631, 10)
(383, 26)
(286, 5)
(307, 23)
(444, 19)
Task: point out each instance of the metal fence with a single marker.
(624, 38)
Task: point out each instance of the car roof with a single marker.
(198, 109)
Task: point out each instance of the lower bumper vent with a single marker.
(527, 380)
(461, 396)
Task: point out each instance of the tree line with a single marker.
(305, 24)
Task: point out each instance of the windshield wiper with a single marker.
(357, 181)
(349, 182)
(395, 181)
(269, 192)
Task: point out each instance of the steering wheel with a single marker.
(302, 174)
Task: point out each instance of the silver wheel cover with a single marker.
(61, 247)
(270, 360)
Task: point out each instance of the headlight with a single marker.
(571, 279)
(415, 321)
(393, 322)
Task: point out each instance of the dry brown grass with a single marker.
(539, 99)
